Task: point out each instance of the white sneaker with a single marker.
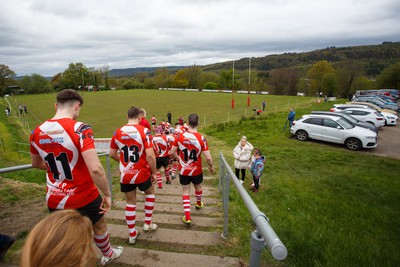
(117, 251)
(132, 239)
(241, 182)
(151, 226)
(252, 185)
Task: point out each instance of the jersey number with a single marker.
(131, 153)
(51, 162)
(189, 154)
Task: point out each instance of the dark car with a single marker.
(349, 118)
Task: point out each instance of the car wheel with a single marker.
(353, 143)
(301, 135)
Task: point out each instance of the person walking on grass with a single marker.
(137, 166)
(242, 155)
(65, 148)
(187, 149)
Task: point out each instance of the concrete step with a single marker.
(150, 258)
(176, 189)
(167, 218)
(207, 210)
(164, 235)
(178, 199)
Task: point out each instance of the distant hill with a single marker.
(132, 71)
(377, 56)
(374, 58)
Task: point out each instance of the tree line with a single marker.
(338, 72)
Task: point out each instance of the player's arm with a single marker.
(38, 162)
(151, 160)
(209, 161)
(99, 177)
(114, 153)
(174, 152)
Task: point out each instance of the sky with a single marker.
(45, 36)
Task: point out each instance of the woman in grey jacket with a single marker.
(242, 155)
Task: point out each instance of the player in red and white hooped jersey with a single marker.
(65, 148)
(163, 150)
(137, 165)
(188, 148)
(153, 122)
(172, 161)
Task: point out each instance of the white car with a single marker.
(367, 115)
(335, 130)
(390, 119)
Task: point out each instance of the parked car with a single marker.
(373, 106)
(340, 107)
(390, 119)
(367, 115)
(349, 118)
(379, 99)
(335, 130)
(377, 102)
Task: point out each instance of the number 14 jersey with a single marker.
(190, 145)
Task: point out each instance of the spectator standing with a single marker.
(242, 155)
(291, 116)
(8, 111)
(25, 109)
(64, 238)
(263, 105)
(188, 148)
(65, 148)
(20, 109)
(137, 166)
(169, 117)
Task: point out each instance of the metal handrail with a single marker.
(264, 234)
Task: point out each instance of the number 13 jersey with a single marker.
(60, 144)
(132, 140)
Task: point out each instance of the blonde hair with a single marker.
(64, 238)
(243, 138)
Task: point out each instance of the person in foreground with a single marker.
(188, 148)
(137, 166)
(256, 169)
(63, 238)
(65, 148)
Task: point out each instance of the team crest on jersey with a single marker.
(82, 128)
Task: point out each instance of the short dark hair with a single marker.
(68, 95)
(134, 112)
(193, 120)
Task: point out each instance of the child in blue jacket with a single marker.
(257, 168)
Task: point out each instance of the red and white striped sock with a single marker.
(186, 206)
(167, 176)
(199, 196)
(103, 243)
(130, 217)
(148, 208)
(159, 179)
(174, 167)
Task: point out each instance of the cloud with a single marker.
(44, 36)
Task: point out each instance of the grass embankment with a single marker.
(330, 206)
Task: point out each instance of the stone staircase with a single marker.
(173, 244)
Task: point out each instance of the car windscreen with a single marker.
(345, 123)
(350, 118)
